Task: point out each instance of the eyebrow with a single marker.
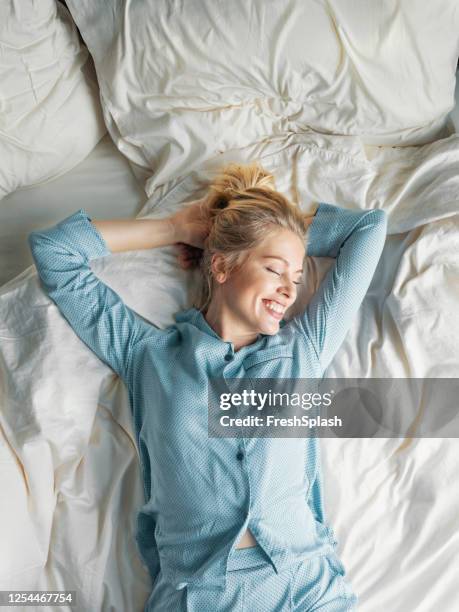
(277, 257)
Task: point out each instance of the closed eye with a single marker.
(278, 274)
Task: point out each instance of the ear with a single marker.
(219, 267)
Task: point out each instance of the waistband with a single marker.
(247, 557)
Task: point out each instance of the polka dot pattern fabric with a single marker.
(252, 585)
(203, 492)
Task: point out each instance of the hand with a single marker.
(192, 224)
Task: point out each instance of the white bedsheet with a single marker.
(68, 463)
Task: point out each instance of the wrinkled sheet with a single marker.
(69, 467)
(182, 82)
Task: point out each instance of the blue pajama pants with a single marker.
(253, 585)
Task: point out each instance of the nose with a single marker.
(288, 289)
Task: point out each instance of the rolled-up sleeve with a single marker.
(355, 239)
(95, 312)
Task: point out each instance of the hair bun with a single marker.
(235, 181)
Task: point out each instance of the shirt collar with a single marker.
(196, 318)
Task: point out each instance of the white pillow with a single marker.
(50, 117)
(182, 81)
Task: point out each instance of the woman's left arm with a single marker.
(355, 239)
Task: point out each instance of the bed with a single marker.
(69, 468)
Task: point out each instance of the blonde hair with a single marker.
(243, 207)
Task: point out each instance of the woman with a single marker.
(229, 523)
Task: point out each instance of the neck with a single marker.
(229, 328)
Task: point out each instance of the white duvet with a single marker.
(68, 463)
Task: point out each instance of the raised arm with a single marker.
(96, 313)
(355, 239)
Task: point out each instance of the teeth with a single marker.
(274, 306)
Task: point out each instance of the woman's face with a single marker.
(260, 291)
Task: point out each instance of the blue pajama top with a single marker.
(202, 493)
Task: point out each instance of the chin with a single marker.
(270, 328)
(265, 324)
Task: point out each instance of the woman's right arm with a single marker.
(96, 313)
(136, 234)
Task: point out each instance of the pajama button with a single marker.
(228, 357)
(240, 456)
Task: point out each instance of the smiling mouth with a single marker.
(276, 315)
